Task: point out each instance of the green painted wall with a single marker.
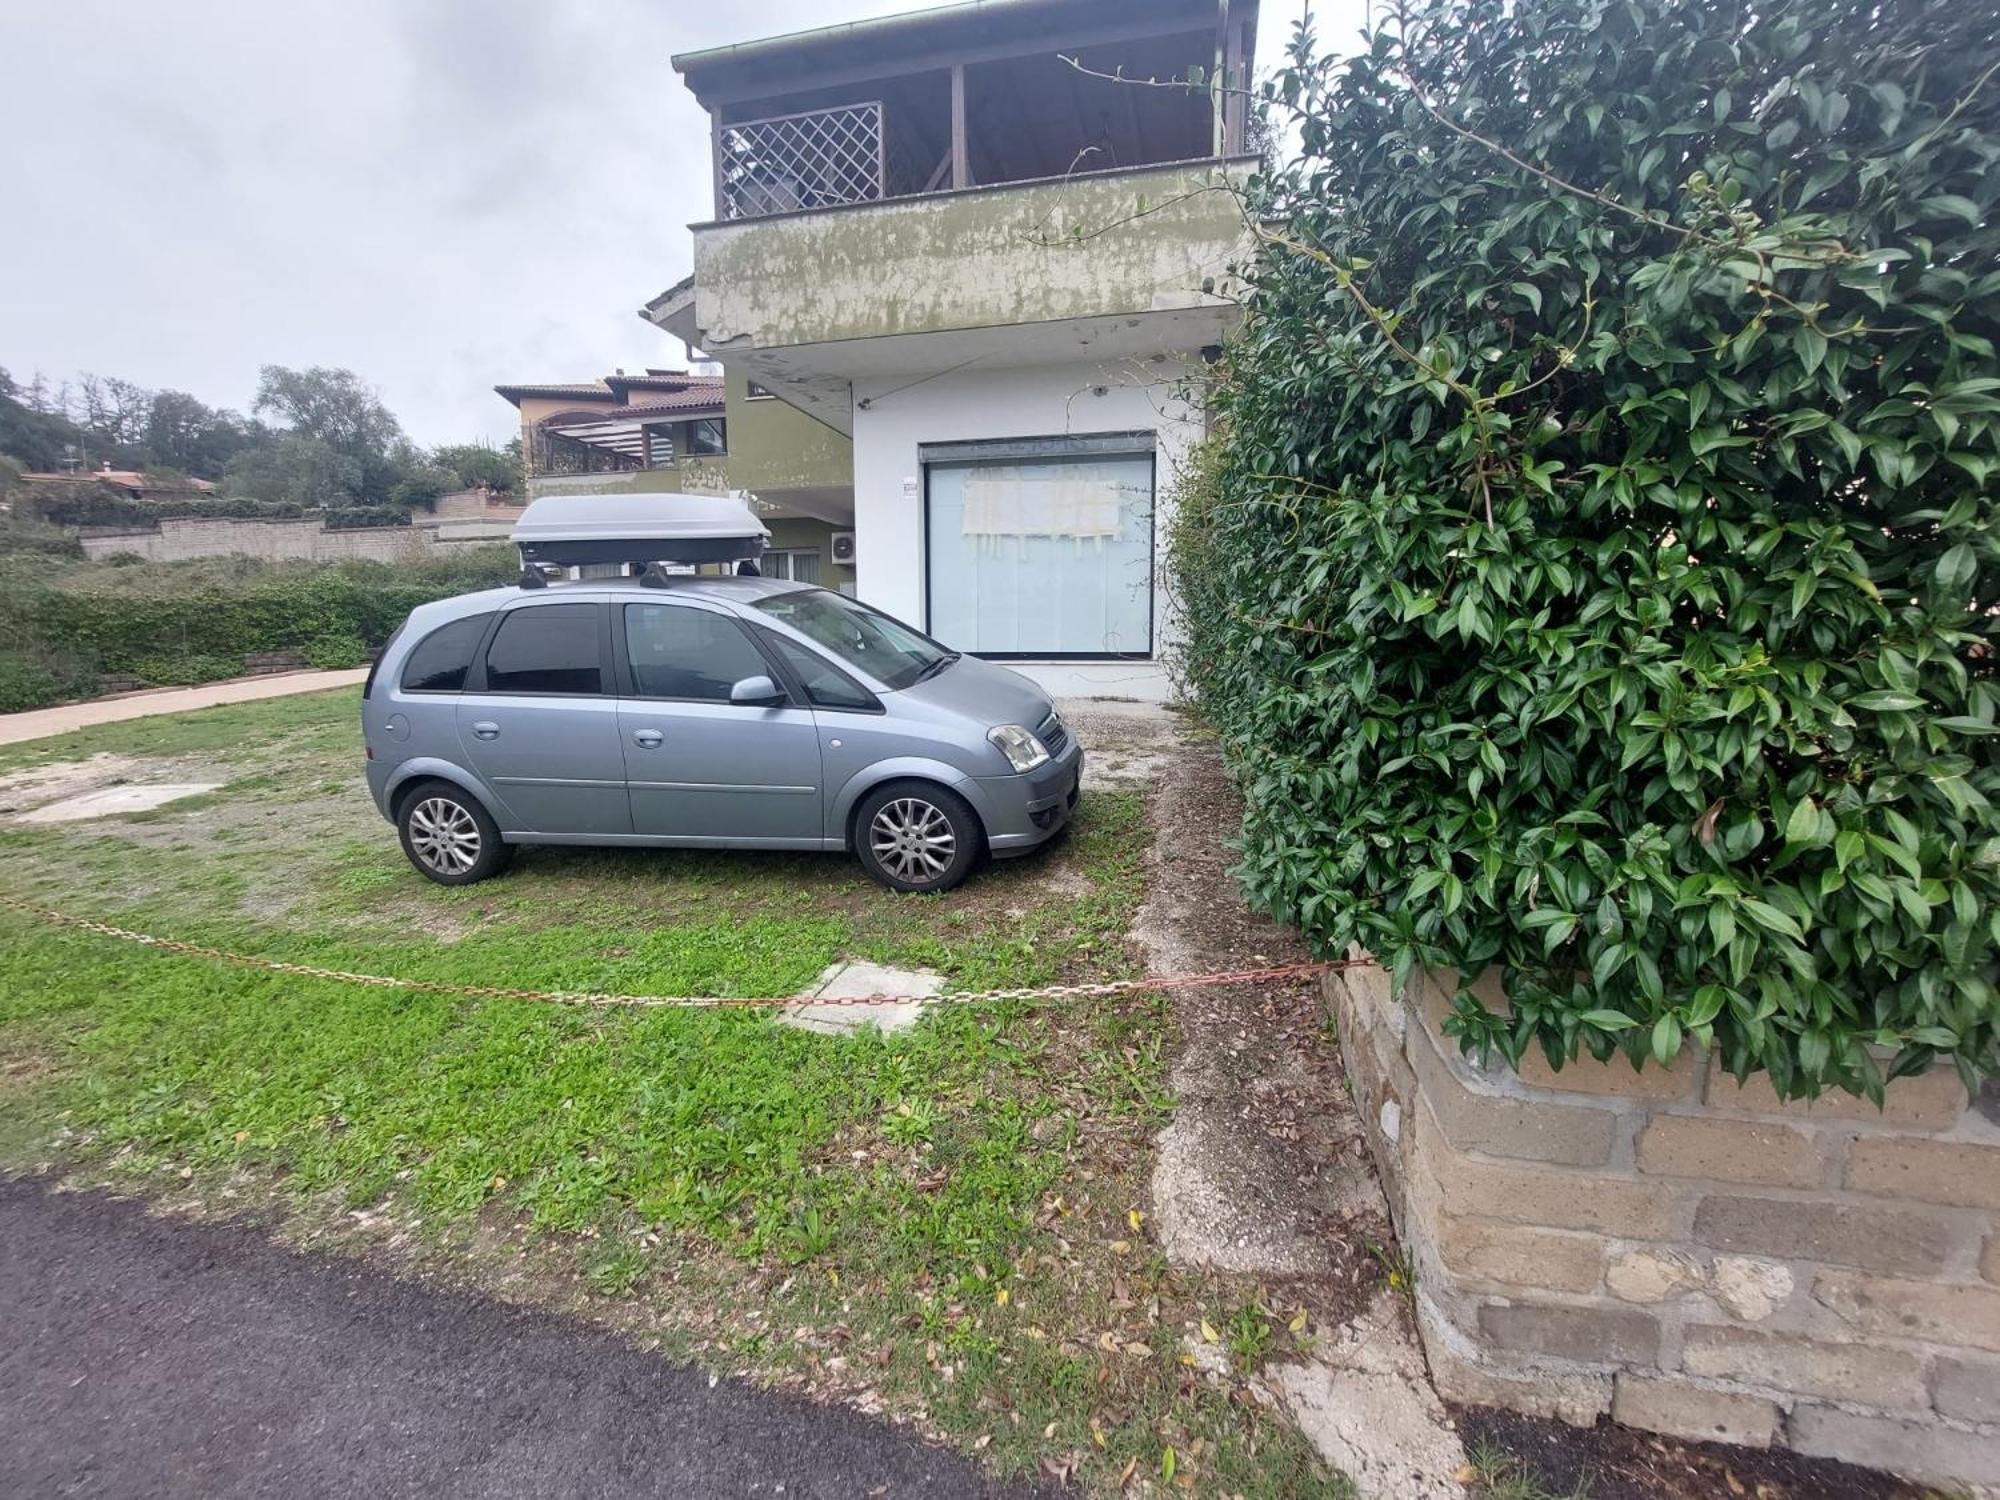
(773, 446)
(809, 533)
(1125, 242)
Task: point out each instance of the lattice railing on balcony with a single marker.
(812, 160)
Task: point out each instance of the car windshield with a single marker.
(887, 650)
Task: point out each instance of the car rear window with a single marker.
(440, 661)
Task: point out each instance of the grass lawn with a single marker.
(947, 1224)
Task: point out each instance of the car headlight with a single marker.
(1023, 751)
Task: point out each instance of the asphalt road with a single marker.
(145, 1357)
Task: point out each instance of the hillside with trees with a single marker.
(314, 439)
(316, 442)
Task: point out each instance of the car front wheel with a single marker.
(449, 837)
(913, 836)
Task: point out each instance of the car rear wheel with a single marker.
(449, 837)
(914, 836)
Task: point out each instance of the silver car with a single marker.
(705, 712)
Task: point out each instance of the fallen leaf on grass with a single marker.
(1208, 1332)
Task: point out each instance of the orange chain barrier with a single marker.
(598, 1000)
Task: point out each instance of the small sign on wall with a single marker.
(910, 488)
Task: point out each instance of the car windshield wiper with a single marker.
(937, 666)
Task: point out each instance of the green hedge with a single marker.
(104, 505)
(1597, 576)
(358, 517)
(188, 622)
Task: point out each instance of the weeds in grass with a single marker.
(615, 1271)
(1249, 1336)
(1498, 1475)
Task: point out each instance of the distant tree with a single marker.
(297, 468)
(477, 463)
(336, 409)
(421, 487)
(114, 411)
(38, 439)
(197, 439)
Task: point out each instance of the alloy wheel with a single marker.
(912, 839)
(444, 835)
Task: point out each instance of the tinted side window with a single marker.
(679, 652)
(441, 659)
(826, 685)
(546, 648)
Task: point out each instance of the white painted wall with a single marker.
(968, 405)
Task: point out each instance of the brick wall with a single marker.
(1688, 1255)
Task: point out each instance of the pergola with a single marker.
(605, 439)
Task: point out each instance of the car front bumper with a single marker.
(1024, 811)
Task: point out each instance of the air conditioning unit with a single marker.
(843, 548)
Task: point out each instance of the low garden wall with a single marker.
(1690, 1256)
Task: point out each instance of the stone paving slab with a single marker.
(854, 979)
(113, 800)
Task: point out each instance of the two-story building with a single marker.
(989, 245)
(671, 432)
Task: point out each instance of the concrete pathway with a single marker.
(40, 723)
(155, 1357)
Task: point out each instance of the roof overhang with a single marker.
(971, 30)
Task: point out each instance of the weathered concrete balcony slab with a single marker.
(1113, 265)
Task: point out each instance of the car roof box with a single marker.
(573, 529)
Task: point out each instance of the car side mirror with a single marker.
(758, 690)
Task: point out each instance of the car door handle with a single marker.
(647, 738)
(486, 729)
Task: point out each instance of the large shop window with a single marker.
(1041, 548)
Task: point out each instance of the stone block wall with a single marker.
(183, 537)
(1688, 1255)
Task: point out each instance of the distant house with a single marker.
(960, 242)
(668, 431)
(135, 484)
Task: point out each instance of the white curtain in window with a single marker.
(1031, 557)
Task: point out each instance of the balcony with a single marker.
(1032, 178)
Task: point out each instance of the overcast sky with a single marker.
(437, 194)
